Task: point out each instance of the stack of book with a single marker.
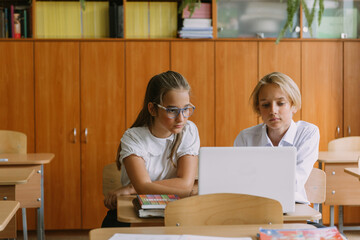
(14, 22)
(197, 25)
(152, 205)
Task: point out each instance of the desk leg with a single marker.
(341, 219)
(23, 213)
(331, 215)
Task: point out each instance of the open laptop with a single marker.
(261, 171)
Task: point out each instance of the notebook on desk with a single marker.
(260, 171)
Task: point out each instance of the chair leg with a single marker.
(331, 216)
(316, 207)
(341, 219)
(24, 223)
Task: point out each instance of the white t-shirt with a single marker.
(156, 151)
(302, 135)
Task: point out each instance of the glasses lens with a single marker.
(188, 111)
(172, 112)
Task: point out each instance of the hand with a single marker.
(195, 190)
(110, 200)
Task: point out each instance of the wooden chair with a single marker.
(15, 142)
(315, 187)
(344, 144)
(111, 178)
(12, 142)
(223, 209)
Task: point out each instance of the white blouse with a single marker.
(302, 135)
(156, 151)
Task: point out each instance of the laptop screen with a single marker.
(260, 171)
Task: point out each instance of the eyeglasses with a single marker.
(173, 112)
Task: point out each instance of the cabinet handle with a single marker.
(74, 132)
(338, 131)
(349, 131)
(86, 135)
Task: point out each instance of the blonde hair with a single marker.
(286, 84)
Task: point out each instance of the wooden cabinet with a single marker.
(284, 57)
(144, 59)
(17, 89)
(80, 109)
(351, 89)
(195, 61)
(57, 114)
(322, 88)
(102, 121)
(236, 74)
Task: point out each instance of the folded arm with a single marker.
(182, 185)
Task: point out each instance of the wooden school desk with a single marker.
(353, 171)
(10, 180)
(214, 230)
(126, 213)
(30, 195)
(7, 212)
(341, 188)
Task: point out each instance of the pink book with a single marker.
(12, 21)
(203, 12)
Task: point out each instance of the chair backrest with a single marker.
(345, 144)
(223, 209)
(111, 178)
(315, 186)
(12, 142)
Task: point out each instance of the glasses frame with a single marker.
(179, 110)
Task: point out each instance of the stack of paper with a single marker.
(199, 25)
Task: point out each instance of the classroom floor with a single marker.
(84, 235)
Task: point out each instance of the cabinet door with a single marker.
(57, 110)
(351, 89)
(103, 117)
(17, 89)
(322, 86)
(195, 61)
(144, 59)
(17, 98)
(236, 68)
(283, 57)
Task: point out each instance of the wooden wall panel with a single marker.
(284, 57)
(103, 115)
(143, 60)
(195, 61)
(236, 75)
(57, 110)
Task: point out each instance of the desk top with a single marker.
(15, 176)
(339, 157)
(26, 159)
(7, 211)
(126, 213)
(353, 171)
(217, 230)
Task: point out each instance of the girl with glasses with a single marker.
(276, 98)
(158, 154)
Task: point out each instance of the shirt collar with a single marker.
(290, 134)
(287, 138)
